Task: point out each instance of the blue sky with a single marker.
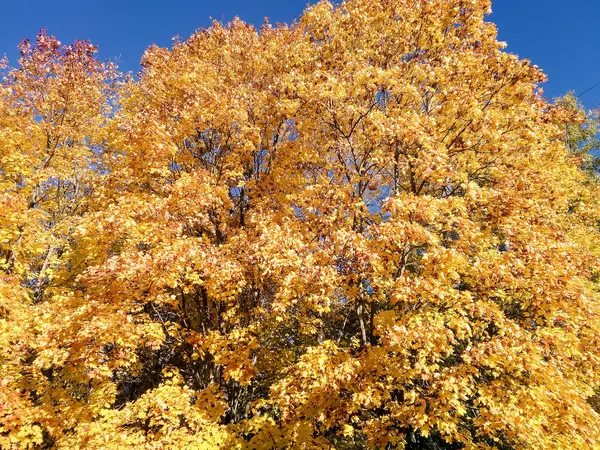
(560, 37)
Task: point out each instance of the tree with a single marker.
(53, 110)
(581, 134)
(363, 230)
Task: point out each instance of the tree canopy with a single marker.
(361, 230)
(581, 135)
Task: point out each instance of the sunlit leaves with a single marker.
(358, 231)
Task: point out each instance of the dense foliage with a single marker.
(363, 230)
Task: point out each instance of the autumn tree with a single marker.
(363, 230)
(53, 108)
(581, 132)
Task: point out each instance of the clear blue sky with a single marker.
(559, 36)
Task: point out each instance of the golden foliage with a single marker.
(363, 230)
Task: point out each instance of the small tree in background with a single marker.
(581, 135)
